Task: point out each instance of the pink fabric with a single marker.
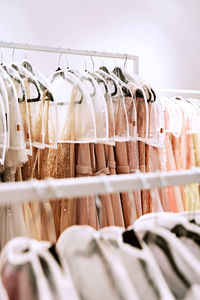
(85, 206)
(115, 197)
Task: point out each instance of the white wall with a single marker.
(165, 33)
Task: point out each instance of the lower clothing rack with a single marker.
(41, 190)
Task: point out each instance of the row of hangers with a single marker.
(113, 84)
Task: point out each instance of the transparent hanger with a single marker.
(75, 109)
(120, 113)
(17, 141)
(19, 85)
(133, 117)
(100, 109)
(156, 135)
(141, 107)
(13, 55)
(174, 122)
(108, 99)
(85, 78)
(49, 107)
(93, 66)
(35, 104)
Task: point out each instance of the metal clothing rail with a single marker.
(178, 91)
(28, 191)
(41, 48)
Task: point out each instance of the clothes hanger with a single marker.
(43, 84)
(25, 74)
(1, 58)
(139, 261)
(110, 79)
(120, 75)
(171, 248)
(71, 79)
(40, 78)
(16, 77)
(59, 58)
(100, 80)
(84, 76)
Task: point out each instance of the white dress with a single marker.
(96, 270)
(30, 271)
(75, 109)
(11, 217)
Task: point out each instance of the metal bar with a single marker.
(42, 190)
(41, 48)
(177, 91)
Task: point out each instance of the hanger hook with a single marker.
(92, 62)
(60, 57)
(85, 64)
(67, 59)
(13, 54)
(126, 58)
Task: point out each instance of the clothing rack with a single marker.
(178, 91)
(28, 191)
(40, 48)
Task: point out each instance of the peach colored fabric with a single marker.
(115, 197)
(133, 162)
(152, 165)
(86, 213)
(107, 216)
(123, 168)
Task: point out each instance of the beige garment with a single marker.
(115, 197)
(133, 162)
(123, 168)
(143, 154)
(36, 168)
(86, 213)
(25, 206)
(107, 217)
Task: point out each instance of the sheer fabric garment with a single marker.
(16, 152)
(184, 145)
(12, 222)
(35, 106)
(77, 115)
(23, 106)
(33, 270)
(99, 105)
(102, 281)
(36, 168)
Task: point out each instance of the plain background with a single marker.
(164, 33)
